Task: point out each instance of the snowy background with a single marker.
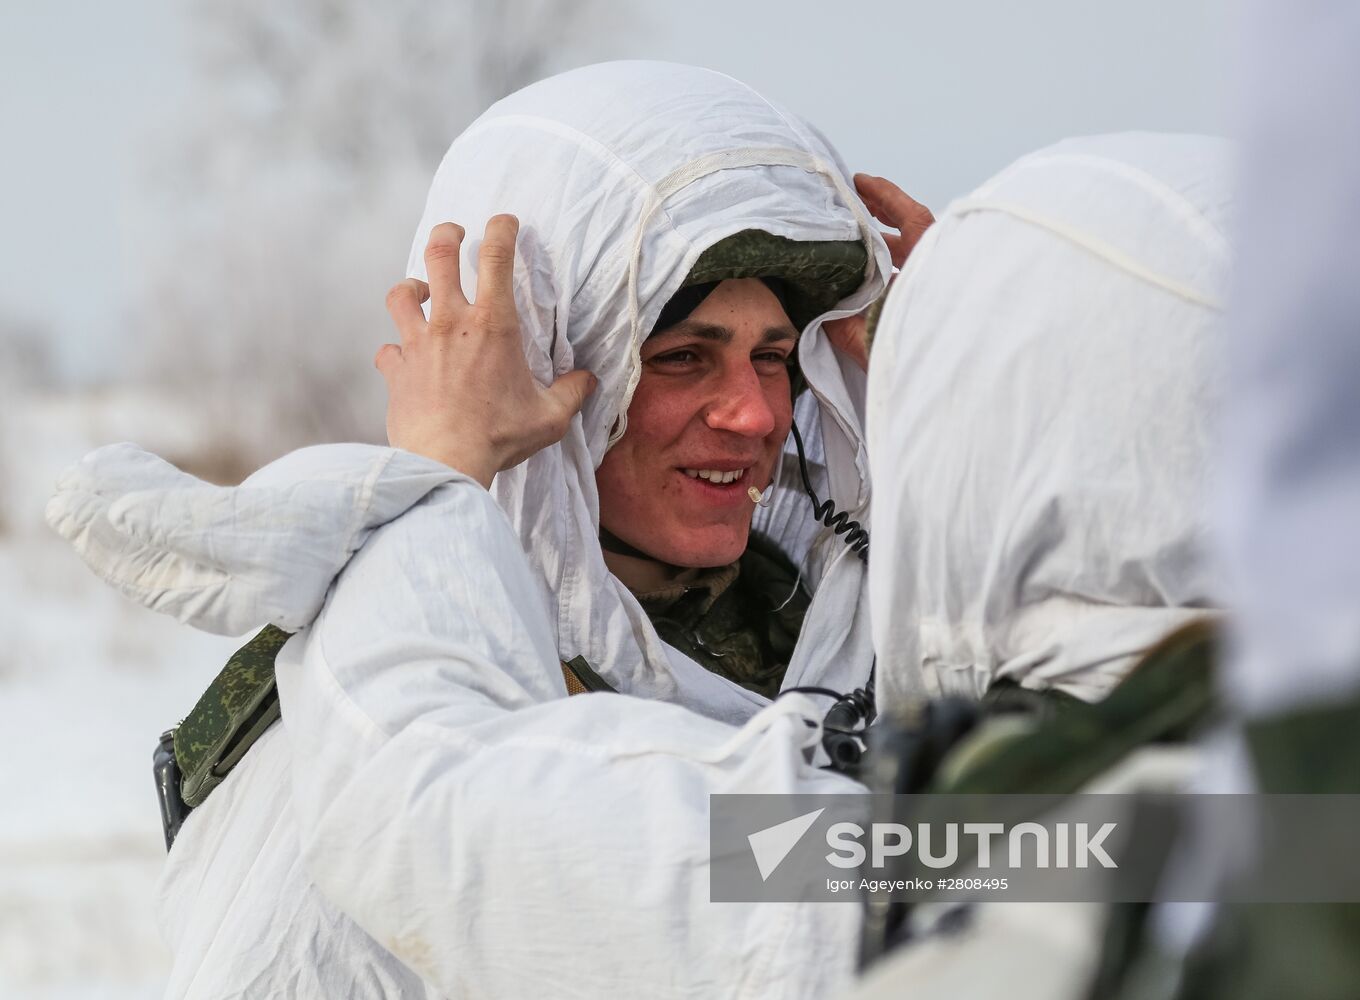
(203, 206)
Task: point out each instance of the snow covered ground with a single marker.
(87, 683)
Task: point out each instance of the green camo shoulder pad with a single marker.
(239, 705)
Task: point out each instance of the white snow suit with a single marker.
(434, 816)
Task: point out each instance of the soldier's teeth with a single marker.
(714, 475)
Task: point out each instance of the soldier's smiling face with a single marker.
(708, 419)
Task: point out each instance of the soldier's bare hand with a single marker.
(897, 210)
(459, 387)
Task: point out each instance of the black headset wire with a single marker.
(825, 511)
(848, 719)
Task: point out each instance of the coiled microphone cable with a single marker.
(847, 721)
(825, 511)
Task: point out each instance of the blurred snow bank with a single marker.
(88, 681)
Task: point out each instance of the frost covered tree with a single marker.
(294, 182)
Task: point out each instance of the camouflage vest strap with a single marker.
(581, 679)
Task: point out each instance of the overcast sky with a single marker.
(935, 95)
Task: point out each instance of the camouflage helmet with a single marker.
(808, 276)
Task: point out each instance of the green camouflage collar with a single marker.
(712, 582)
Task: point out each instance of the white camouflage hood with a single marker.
(1042, 388)
(621, 175)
